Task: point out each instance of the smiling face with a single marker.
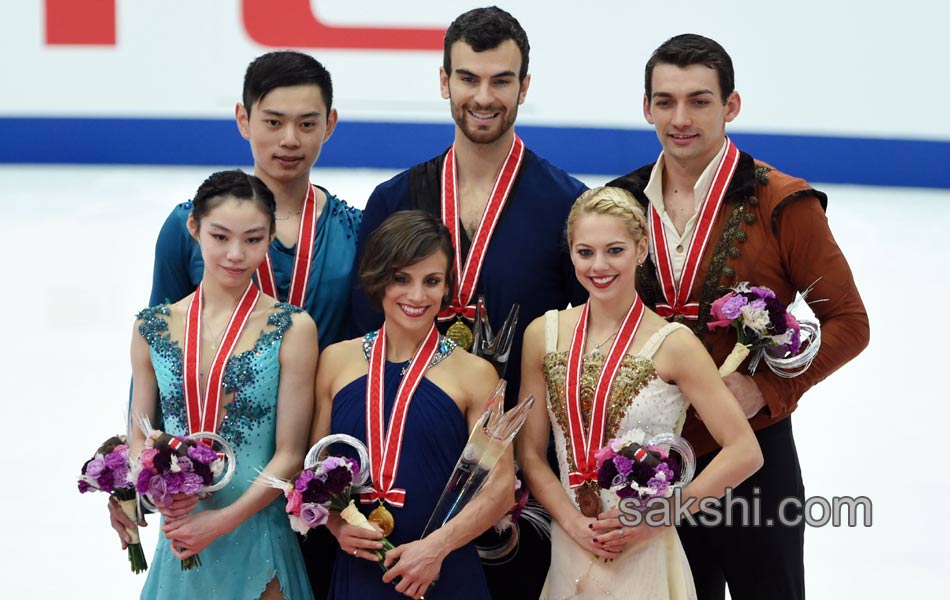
(287, 129)
(605, 256)
(484, 91)
(688, 112)
(234, 237)
(414, 297)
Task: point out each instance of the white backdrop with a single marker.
(839, 68)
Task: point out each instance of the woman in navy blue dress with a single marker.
(412, 397)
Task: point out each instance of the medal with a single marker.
(461, 334)
(384, 452)
(382, 518)
(468, 276)
(202, 412)
(585, 444)
(676, 292)
(303, 257)
(588, 499)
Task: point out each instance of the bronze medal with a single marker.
(383, 519)
(460, 333)
(588, 500)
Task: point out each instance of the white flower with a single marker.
(175, 467)
(756, 320)
(631, 436)
(217, 467)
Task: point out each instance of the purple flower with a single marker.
(142, 483)
(173, 483)
(303, 480)
(314, 515)
(191, 483)
(354, 467)
(158, 490)
(796, 342)
(331, 462)
(777, 322)
(732, 307)
(338, 480)
(106, 481)
(95, 467)
(114, 460)
(201, 453)
(762, 292)
(84, 486)
(624, 465)
(627, 492)
(120, 476)
(757, 305)
(606, 474)
(641, 472)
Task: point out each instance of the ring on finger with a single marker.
(356, 551)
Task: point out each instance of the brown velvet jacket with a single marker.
(770, 231)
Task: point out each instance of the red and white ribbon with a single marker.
(303, 257)
(384, 452)
(585, 444)
(468, 277)
(203, 410)
(676, 292)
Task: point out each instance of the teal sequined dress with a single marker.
(241, 563)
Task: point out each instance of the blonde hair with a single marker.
(611, 201)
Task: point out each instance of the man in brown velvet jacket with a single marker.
(719, 217)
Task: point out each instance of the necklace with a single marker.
(215, 337)
(288, 216)
(596, 349)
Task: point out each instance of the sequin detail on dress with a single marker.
(446, 347)
(248, 376)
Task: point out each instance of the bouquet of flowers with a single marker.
(109, 471)
(767, 327)
(642, 469)
(326, 486)
(172, 465)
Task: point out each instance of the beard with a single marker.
(483, 134)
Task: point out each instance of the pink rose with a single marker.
(294, 499)
(604, 454)
(148, 457)
(718, 319)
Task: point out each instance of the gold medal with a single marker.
(460, 333)
(382, 518)
(588, 500)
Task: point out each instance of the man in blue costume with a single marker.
(506, 208)
(286, 115)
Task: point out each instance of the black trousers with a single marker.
(762, 561)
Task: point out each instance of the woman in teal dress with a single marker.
(406, 271)
(265, 401)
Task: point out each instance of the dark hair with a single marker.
(692, 49)
(285, 68)
(485, 29)
(404, 239)
(232, 184)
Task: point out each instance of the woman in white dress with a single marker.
(635, 374)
